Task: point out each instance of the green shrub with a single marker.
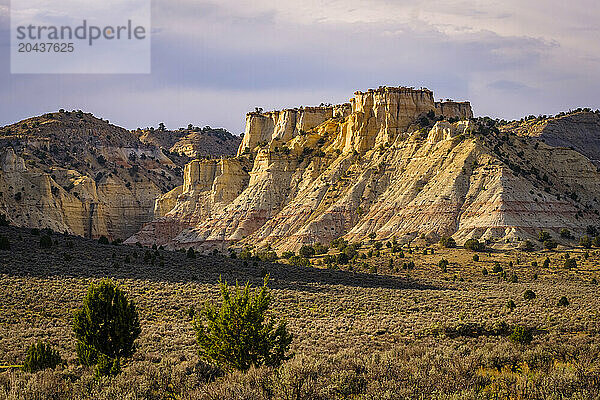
(245, 254)
(475, 257)
(190, 253)
(484, 271)
(106, 327)
(521, 335)
(550, 244)
(339, 243)
(511, 305)
(378, 245)
(320, 249)
(475, 245)
(300, 261)
(350, 251)
(237, 335)
(443, 265)
(307, 251)
(107, 366)
(546, 263)
(45, 241)
(497, 268)
(4, 243)
(41, 356)
(103, 240)
(570, 263)
(527, 246)
(585, 241)
(565, 234)
(529, 294)
(448, 242)
(267, 256)
(543, 236)
(563, 302)
(342, 258)
(286, 255)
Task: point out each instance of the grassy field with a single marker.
(399, 333)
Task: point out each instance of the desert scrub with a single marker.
(521, 335)
(4, 243)
(237, 335)
(41, 356)
(45, 241)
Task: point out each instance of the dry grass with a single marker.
(348, 326)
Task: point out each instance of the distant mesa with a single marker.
(391, 162)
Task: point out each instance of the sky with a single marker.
(213, 61)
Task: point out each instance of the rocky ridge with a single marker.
(193, 142)
(75, 173)
(391, 162)
(579, 131)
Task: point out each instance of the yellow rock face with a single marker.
(370, 166)
(75, 173)
(33, 198)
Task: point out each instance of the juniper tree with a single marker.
(237, 334)
(106, 327)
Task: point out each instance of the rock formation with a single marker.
(391, 162)
(70, 171)
(579, 131)
(193, 142)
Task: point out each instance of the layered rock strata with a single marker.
(392, 162)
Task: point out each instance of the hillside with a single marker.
(392, 163)
(73, 172)
(579, 131)
(193, 142)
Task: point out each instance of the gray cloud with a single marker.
(212, 62)
(508, 85)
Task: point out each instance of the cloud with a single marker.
(508, 85)
(214, 60)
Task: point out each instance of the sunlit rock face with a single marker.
(73, 172)
(391, 162)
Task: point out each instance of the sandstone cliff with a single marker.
(392, 162)
(70, 171)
